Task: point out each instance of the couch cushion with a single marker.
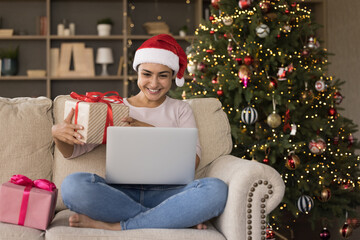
(15, 232)
(60, 230)
(26, 141)
(93, 161)
(214, 130)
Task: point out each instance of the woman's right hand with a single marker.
(65, 131)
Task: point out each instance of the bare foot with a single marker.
(200, 226)
(83, 221)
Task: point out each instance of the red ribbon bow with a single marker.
(28, 183)
(287, 121)
(99, 97)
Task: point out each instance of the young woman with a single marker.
(120, 207)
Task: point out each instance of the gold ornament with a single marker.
(274, 120)
(292, 161)
(325, 195)
(346, 230)
(307, 96)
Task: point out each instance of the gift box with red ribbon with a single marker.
(28, 203)
(96, 111)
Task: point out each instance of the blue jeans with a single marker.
(144, 206)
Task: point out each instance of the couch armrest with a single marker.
(255, 189)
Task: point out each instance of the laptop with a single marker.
(150, 155)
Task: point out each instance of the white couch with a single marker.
(26, 147)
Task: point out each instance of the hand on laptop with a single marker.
(65, 131)
(132, 122)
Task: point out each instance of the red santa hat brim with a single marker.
(163, 49)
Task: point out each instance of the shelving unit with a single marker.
(35, 49)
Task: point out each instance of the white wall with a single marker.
(343, 26)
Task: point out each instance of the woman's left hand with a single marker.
(132, 122)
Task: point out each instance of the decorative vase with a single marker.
(9, 66)
(104, 29)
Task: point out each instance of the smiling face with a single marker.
(154, 81)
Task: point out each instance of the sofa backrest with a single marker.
(25, 138)
(214, 130)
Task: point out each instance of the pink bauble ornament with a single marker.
(325, 234)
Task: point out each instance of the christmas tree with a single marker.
(263, 60)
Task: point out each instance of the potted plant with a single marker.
(183, 31)
(104, 26)
(9, 61)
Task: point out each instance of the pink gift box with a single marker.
(40, 208)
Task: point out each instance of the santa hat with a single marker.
(163, 49)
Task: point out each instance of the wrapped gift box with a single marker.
(40, 207)
(92, 115)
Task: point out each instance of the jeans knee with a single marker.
(73, 184)
(219, 191)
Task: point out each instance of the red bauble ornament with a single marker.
(270, 235)
(292, 162)
(287, 11)
(273, 82)
(265, 6)
(332, 112)
(350, 141)
(266, 160)
(338, 97)
(211, 51)
(220, 92)
(212, 32)
(294, 4)
(346, 230)
(215, 3)
(214, 81)
(325, 234)
(211, 18)
(248, 60)
(353, 222)
(244, 4)
(238, 60)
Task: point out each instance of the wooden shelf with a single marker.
(145, 37)
(23, 37)
(7, 78)
(87, 37)
(88, 78)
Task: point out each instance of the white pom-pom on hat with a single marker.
(165, 50)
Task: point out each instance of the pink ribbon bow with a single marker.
(28, 183)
